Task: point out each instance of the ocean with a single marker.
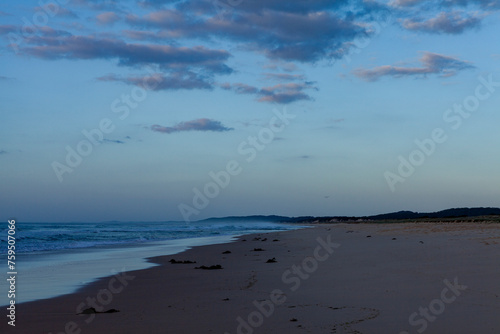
(53, 259)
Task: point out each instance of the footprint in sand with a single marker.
(251, 281)
(359, 314)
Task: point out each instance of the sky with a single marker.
(157, 110)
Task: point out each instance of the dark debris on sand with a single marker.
(213, 267)
(92, 310)
(174, 261)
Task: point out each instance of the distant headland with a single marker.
(460, 214)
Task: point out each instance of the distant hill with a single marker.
(448, 213)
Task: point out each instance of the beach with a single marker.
(332, 278)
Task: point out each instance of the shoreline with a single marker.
(94, 263)
(366, 284)
(77, 267)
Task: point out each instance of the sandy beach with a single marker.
(331, 278)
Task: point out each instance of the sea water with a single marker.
(53, 259)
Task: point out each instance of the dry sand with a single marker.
(445, 277)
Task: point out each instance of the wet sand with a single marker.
(339, 278)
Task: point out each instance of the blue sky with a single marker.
(302, 108)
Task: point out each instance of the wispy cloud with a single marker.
(201, 124)
(455, 22)
(281, 93)
(285, 93)
(169, 57)
(405, 3)
(484, 4)
(58, 11)
(176, 39)
(281, 65)
(443, 16)
(99, 5)
(240, 88)
(3, 152)
(65, 12)
(113, 141)
(432, 63)
(305, 32)
(283, 76)
(158, 81)
(107, 18)
(8, 28)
